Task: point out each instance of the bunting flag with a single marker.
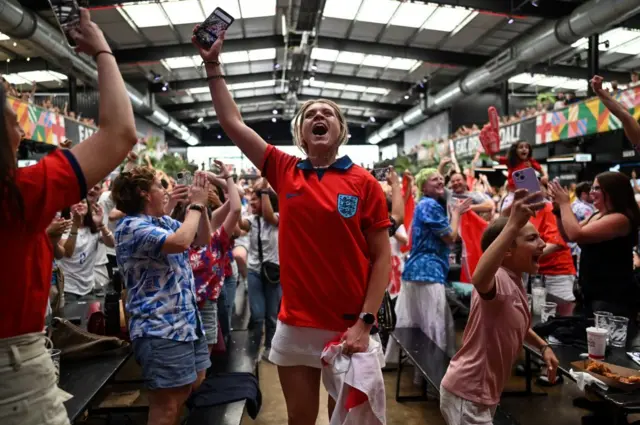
(472, 226)
(588, 117)
(409, 207)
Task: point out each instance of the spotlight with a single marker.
(372, 119)
(274, 119)
(362, 125)
(219, 136)
(312, 78)
(349, 136)
(314, 67)
(8, 59)
(275, 112)
(200, 119)
(510, 21)
(165, 87)
(28, 59)
(406, 96)
(15, 44)
(534, 3)
(276, 66)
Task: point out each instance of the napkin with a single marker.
(583, 379)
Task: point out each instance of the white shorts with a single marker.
(560, 286)
(458, 411)
(298, 346)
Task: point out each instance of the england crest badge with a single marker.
(347, 205)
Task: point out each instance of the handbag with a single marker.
(77, 344)
(269, 271)
(387, 314)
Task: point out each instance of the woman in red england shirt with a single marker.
(334, 248)
(29, 199)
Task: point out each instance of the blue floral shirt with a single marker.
(429, 257)
(161, 297)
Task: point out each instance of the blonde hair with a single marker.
(298, 120)
(422, 177)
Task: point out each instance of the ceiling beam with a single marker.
(180, 85)
(433, 56)
(266, 116)
(575, 72)
(547, 9)
(276, 100)
(157, 53)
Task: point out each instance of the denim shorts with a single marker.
(170, 364)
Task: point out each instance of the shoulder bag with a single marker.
(269, 271)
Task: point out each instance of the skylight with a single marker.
(377, 61)
(145, 15)
(184, 12)
(334, 86)
(525, 78)
(350, 57)
(341, 9)
(377, 11)
(198, 90)
(352, 87)
(181, 62)
(446, 18)
(347, 87)
(262, 54)
(37, 76)
(402, 63)
(412, 15)
(229, 6)
(377, 90)
(257, 8)
(252, 85)
(234, 57)
(620, 40)
(328, 55)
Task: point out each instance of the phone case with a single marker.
(380, 174)
(526, 179)
(208, 31)
(67, 13)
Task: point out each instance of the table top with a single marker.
(83, 379)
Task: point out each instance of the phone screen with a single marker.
(380, 174)
(218, 21)
(184, 178)
(67, 13)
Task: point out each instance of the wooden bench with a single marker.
(243, 355)
(432, 363)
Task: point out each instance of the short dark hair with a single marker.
(492, 231)
(582, 187)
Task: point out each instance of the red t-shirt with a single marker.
(324, 257)
(26, 254)
(559, 263)
(521, 165)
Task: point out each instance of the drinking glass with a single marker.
(548, 311)
(618, 335)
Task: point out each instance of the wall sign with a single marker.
(466, 147)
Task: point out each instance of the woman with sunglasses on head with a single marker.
(29, 200)
(334, 253)
(605, 240)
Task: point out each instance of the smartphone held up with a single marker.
(380, 174)
(527, 179)
(67, 14)
(209, 31)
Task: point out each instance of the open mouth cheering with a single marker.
(319, 129)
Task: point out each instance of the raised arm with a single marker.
(107, 148)
(629, 123)
(397, 200)
(267, 209)
(235, 206)
(249, 142)
(484, 276)
(186, 234)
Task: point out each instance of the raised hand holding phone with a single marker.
(207, 33)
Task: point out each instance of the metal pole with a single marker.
(73, 93)
(594, 59)
(504, 97)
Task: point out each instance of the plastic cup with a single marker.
(597, 342)
(618, 335)
(548, 311)
(539, 295)
(602, 320)
(55, 358)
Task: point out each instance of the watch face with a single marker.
(368, 318)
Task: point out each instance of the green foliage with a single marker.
(170, 163)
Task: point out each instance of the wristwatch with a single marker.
(197, 207)
(368, 318)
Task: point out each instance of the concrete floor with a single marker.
(555, 408)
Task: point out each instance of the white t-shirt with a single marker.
(78, 270)
(107, 204)
(269, 237)
(395, 244)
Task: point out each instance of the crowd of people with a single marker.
(49, 103)
(319, 243)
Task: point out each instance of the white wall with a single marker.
(366, 155)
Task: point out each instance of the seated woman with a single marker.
(152, 253)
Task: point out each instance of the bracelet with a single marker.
(544, 348)
(73, 233)
(197, 207)
(210, 63)
(95, 57)
(215, 77)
